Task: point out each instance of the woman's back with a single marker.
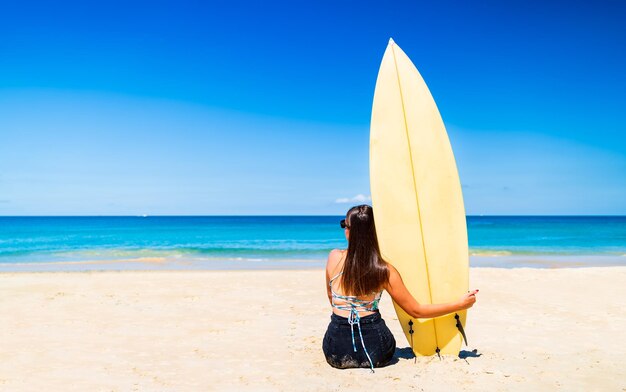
(344, 304)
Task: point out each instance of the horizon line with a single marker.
(289, 215)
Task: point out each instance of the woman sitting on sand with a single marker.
(357, 336)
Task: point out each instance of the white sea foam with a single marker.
(490, 253)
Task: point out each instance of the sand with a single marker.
(534, 329)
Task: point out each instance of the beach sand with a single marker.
(535, 329)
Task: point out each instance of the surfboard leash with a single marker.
(411, 335)
(459, 326)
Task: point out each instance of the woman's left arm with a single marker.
(330, 296)
(331, 265)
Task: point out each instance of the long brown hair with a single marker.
(364, 270)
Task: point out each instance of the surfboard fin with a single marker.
(411, 334)
(438, 352)
(460, 327)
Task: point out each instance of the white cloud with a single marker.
(360, 198)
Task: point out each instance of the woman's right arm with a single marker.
(402, 297)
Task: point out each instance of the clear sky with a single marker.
(121, 107)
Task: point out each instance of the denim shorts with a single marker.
(338, 348)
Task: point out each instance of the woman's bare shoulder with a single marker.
(394, 276)
(335, 257)
(391, 268)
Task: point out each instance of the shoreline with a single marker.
(231, 264)
(539, 329)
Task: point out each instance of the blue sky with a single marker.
(263, 108)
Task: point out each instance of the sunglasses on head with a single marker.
(343, 224)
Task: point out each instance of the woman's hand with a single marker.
(468, 300)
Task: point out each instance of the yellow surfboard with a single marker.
(417, 201)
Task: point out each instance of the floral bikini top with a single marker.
(352, 303)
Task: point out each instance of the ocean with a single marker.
(268, 242)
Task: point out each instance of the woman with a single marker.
(355, 278)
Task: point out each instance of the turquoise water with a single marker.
(52, 243)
